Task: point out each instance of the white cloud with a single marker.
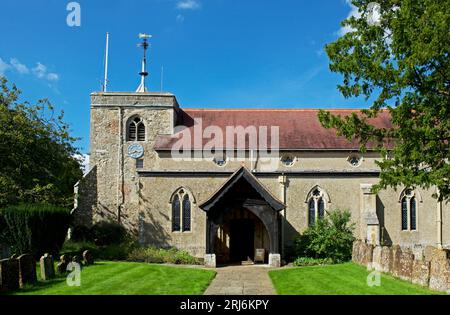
(373, 16)
(188, 5)
(3, 67)
(84, 159)
(18, 66)
(52, 77)
(353, 12)
(40, 70)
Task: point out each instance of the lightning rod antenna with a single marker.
(105, 82)
(142, 87)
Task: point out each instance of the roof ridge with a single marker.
(273, 109)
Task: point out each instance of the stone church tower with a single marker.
(117, 183)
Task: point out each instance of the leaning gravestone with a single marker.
(61, 268)
(88, 258)
(27, 268)
(47, 267)
(9, 274)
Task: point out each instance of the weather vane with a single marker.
(142, 88)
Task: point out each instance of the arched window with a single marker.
(181, 211)
(186, 213)
(311, 212)
(316, 205)
(136, 130)
(409, 210)
(404, 214)
(176, 209)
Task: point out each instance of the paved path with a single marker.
(241, 280)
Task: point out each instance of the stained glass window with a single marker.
(404, 214)
(321, 208)
(186, 213)
(412, 213)
(176, 214)
(311, 212)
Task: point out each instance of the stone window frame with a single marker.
(181, 192)
(352, 156)
(288, 155)
(408, 194)
(224, 158)
(132, 120)
(316, 194)
(140, 164)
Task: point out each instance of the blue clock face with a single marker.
(136, 151)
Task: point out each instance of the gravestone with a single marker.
(421, 272)
(76, 259)
(61, 268)
(27, 269)
(9, 274)
(47, 267)
(405, 265)
(88, 258)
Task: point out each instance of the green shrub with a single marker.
(331, 237)
(308, 261)
(82, 234)
(35, 228)
(159, 255)
(106, 252)
(108, 233)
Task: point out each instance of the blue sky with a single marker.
(215, 53)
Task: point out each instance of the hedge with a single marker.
(34, 228)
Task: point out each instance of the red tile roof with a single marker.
(299, 129)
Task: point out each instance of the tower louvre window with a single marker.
(141, 132)
(136, 130)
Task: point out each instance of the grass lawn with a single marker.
(129, 278)
(339, 279)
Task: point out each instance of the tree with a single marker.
(399, 62)
(37, 154)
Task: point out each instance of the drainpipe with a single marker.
(282, 180)
(120, 167)
(439, 222)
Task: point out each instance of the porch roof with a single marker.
(242, 173)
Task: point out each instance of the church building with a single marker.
(164, 173)
(231, 185)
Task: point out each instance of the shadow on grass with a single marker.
(41, 284)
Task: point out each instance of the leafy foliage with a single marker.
(308, 261)
(399, 64)
(37, 163)
(330, 238)
(118, 251)
(161, 255)
(102, 233)
(34, 228)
